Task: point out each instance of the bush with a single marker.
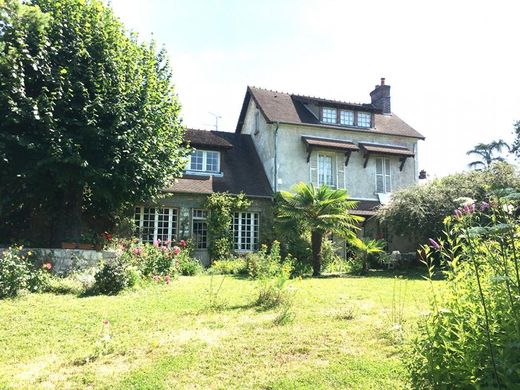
(418, 212)
(15, 272)
(113, 277)
(236, 266)
(470, 338)
(187, 265)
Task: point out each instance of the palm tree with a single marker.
(486, 153)
(320, 210)
(366, 247)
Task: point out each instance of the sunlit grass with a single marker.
(167, 336)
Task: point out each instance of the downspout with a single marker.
(275, 186)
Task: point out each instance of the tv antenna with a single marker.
(217, 117)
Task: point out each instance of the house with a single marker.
(364, 148)
(220, 162)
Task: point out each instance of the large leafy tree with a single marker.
(486, 153)
(319, 210)
(418, 212)
(515, 147)
(89, 120)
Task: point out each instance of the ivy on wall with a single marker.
(221, 206)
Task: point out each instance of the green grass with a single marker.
(165, 336)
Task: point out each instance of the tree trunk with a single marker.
(69, 224)
(316, 240)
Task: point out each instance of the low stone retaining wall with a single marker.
(65, 261)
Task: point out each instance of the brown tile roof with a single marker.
(289, 108)
(240, 165)
(330, 143)
(366, 208)
(206, 138)
(395, 150)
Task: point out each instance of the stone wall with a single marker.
(65, 261)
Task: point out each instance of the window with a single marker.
(204, 161)
(364, 119)
(245, 231)
(199, 228)
(325, 170)
(156, 223)
(257, 122)
(383, 178)
(346, 118)
(328, 115)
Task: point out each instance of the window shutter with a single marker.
(340, 171)
(313, 169)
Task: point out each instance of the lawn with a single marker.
(166, 336)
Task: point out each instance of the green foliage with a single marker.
(113, 277)
(470, 338)
(418, 212)
(187, 265)
(89, 119)
(486, 153)
(236, 266)
(364, 248)
(221, 206)
(515, 147)
(15, 272)
(318, 211)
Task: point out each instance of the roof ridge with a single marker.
(310, 97)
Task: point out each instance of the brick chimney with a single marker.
(381, 97)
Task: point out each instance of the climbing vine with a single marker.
(221, 206)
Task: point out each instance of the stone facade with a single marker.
(185, 203)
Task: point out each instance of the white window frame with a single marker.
(385, 163)
(240, 245)
(341, 119)
(257, 122)
(205, 161)
(173, 223)
(197, 218)
(331, 109)
(368, 114)
(332, 157)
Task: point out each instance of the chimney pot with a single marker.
(382, 81)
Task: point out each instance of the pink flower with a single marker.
(484, 206)
(434, 244)
(167, 242)
(458, 213)
(164, 248)
(182, 243)
(167, 279)
(157, 278)
(47, 266)
(137, 251)
(176, 250)
(156, 243)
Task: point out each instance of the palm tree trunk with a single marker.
(316, 240)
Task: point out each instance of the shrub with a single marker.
(418, 211)
(113, 277)
(15, 272)
(159, 258)
(470, 338)
(187, 265)
(236, 266)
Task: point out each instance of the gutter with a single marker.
(275, 186)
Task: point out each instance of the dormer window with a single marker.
(346, 118)
(204, 161)
(364, 119)
(329, 115)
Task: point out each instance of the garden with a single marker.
(153, 318)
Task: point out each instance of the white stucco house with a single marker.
(364, 148)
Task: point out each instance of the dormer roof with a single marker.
(292, 109)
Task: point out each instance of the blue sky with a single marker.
(452, 65)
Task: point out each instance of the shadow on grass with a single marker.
(418, 273)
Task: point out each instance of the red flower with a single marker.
(176, 250)
(107, 236)
(182, 243)
(167, 279)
